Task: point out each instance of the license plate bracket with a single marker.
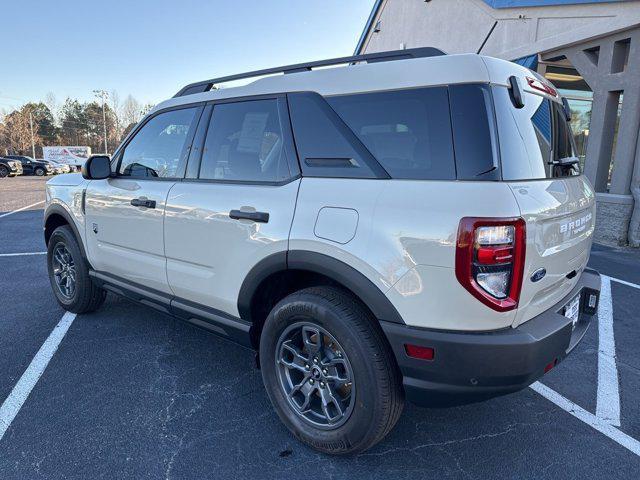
(572, 310)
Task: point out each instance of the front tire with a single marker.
(329, 371)
(69, 274)
(4, 171)
(39, 172)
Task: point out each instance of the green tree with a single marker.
(43, 120)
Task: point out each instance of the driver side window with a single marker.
(159, 147)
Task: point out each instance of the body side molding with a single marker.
(215, 321)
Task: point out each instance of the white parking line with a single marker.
(31, 375)
(607, 416)
(21, 254)
(624, 282)
(590, 419)
(20, 209)
(608, 400)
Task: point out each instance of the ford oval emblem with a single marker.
(538, 274)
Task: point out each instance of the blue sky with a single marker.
(152, 48)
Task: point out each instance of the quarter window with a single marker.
(407, 131)
(474, 134)
(158, 150)
(245, 143)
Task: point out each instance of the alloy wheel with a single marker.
(315, 375)
(64, 271)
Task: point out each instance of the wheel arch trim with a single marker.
(57, 209)
(342, 273)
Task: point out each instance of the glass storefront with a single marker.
(573, 87)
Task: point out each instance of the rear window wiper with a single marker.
(565, 162)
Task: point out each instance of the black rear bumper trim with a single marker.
(472, 366)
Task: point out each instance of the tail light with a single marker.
(490, 260)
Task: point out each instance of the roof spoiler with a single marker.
(206, 85)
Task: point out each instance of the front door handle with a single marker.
(143, 202)
(261, 217)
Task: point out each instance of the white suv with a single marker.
(412, 224)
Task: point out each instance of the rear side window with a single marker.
(407, 131)
(473, 122)
(326, 146)
(245, 143)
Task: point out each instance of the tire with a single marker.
(39, 172)
(4, 171)
(371, 404)
(85, 296)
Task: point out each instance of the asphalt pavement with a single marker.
(133, 393)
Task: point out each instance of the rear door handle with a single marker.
(261, 217)
(143, 202)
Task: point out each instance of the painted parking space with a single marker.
(133, 393)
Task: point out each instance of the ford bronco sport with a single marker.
(408, 225)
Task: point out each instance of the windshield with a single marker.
(539, 144)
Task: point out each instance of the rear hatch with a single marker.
(555, 199)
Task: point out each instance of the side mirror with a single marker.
(97, 167)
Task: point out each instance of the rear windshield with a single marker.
(535, 141)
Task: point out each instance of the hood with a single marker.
(68, 179)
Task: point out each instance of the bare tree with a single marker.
(16, 131)
(116, 108)
(131, 111)
(51, 102)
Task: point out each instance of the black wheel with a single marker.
(69, 274)
(329, 371)
(4, 171)
(39, 172)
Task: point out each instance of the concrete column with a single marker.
(625, 155)
(601, 134)
(634, 223)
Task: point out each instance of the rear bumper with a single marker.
(469, 367)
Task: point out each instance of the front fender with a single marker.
(56, 210)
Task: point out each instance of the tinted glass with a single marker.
(564, 137)
(534, 139)
(245, 143)
(157, 150)
(541, 121)
(407, 131)
(474, 137)
(326, 146)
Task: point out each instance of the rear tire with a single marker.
(69, 274)
(333, 323)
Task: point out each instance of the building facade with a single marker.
(590, 49)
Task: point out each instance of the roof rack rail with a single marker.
(206, 85)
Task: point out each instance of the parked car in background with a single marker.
(58, 168)
(31, 166)
(9, 168)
